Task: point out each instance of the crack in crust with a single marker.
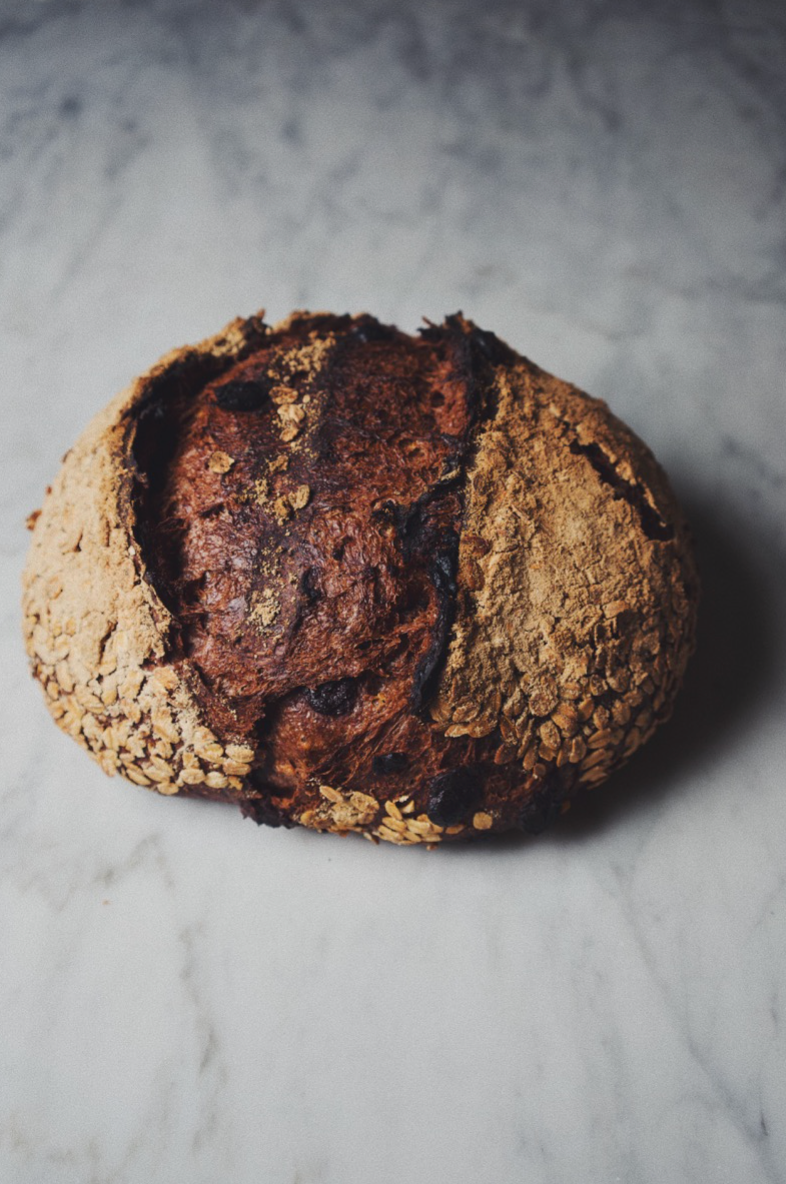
(554, 570)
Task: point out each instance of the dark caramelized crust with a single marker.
(307, 530)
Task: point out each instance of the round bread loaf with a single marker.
(345, 577)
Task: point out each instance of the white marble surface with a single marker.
(184, 997)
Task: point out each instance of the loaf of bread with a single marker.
(356, 580)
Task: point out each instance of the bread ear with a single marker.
(99, 638)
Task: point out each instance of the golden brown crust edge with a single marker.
(573, 671)
(94, 627)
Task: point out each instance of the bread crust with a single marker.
(95, 628)
(567, 624)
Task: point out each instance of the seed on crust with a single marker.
(586, 708)
(544, 698)
(419, 826)
(549, 734)
(215, 780)
(240, 752)
(466, 710)
(155, 774)
(193, 776)
(108, 761)
(620, 712)
(594, 758)
(88, 700)
(482, 727)
(507, 731)
(134, 774)
(299, 499)
(578, 750)
(289, 413)
(131, 684)
(64, 677)
(530, 758)
(283, 394)
(164, 725)
(616, 608)
(566, 718)
(236, 768)
(594, 776)
(282, 508)
(386, 832)
(600, 739)
(220, 462)
(525, 728)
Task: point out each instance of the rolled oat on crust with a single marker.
(413, 587)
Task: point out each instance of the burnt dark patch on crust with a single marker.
(368, 328)
(413, 522)
(475, 352)
(453, 795)
(390, 762)
(263, 803)
(472, 353)
(333, 698)
(488, 345)
(538, 814)
(309, 585)
(243, 395)
(154, 432)
(443, 574)
(652, 524)
(544, 805)
(159, 423)
(265, 813)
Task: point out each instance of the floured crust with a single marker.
(577, 611)
(573, 618)
(96, 631)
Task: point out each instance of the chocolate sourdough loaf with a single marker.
(362, 581)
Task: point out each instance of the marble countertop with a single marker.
(184, 997)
